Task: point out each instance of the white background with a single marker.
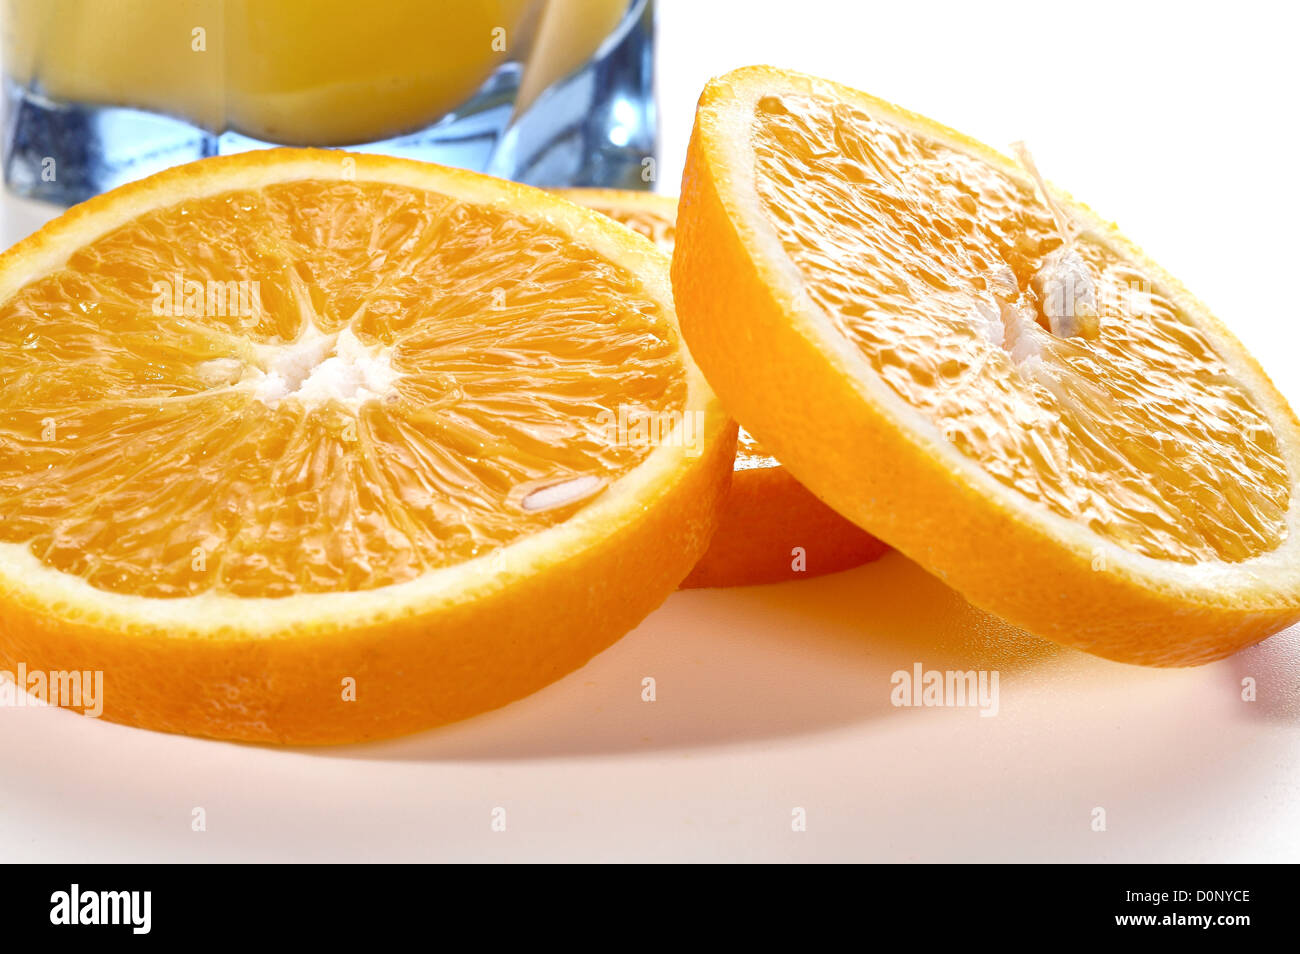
(1178, 121)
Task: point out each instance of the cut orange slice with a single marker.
(646, 213)
(771, 527)
(304, 446)
(985, 374)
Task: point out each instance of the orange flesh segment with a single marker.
(643, 219)
(922, 256)
(141, 452)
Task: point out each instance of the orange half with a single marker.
(304, 446)
(985, 374)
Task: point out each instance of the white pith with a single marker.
(319, 367)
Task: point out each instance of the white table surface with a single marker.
(1175, 120)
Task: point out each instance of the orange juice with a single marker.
(322, 72)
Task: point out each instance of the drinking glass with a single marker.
(547, 92)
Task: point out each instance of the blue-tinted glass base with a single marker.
(594, 128)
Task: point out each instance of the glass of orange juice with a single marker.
(549, 92)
